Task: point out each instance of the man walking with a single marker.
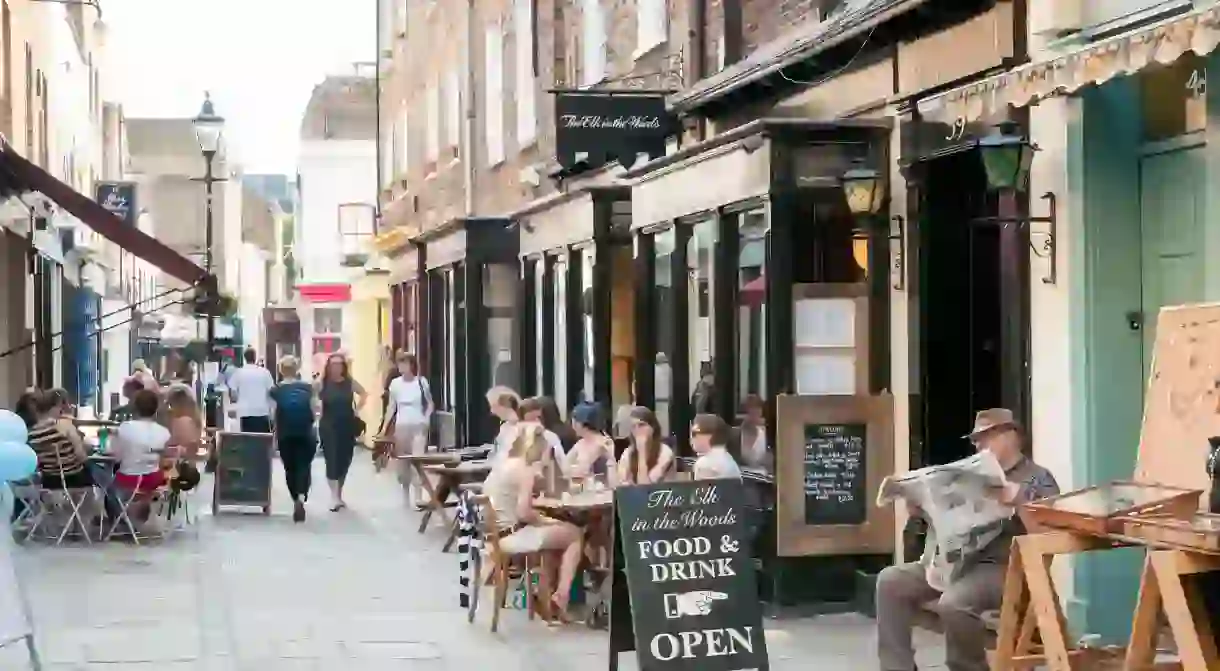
(295, 433)
(250, 390)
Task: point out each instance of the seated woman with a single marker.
(709, 436)
(522, 529)
(140, 443)
(648, 459)
(181, 415)
(505, 405)
(62, 455)
(753, 435)
(533, 410)
(593, 453)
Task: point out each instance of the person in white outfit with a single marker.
(408, 415)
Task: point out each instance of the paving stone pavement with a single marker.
(357, 590)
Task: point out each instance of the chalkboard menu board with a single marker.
(835, 491)
(243, 470)
(690, 575)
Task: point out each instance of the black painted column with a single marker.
(645, 328)
(547, 268)
(724, 316)
(680, 408)
(527, 344)
(462, 345)
(575, 329)
(603, 288)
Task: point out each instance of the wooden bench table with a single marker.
(450, 476)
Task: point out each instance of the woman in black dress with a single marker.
(341, 398)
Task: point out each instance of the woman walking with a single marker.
(408, 412)
(294, 432)
(342, 399)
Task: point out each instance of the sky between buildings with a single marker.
(259, 59)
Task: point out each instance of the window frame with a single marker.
(593, 61)
(493, 82)
(526, 84)
(652, 25)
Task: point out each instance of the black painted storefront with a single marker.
(574, 247)
(774, 186)
(471, 267)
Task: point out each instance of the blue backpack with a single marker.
(294, 409)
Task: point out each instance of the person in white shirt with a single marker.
(708, 436)
(408, 412)
(140, 444)
(505, 404)
(250, 389)
(533, 410)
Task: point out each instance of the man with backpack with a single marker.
(295, 409)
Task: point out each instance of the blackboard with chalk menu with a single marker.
(835, 485)
(243, 470)
(690, 574)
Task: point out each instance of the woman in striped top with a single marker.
(61, 450)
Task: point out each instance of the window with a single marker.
(588, 257)
(433, 103)
(453, 109)
(539, 281)
(450, 339)
(593, 59)
(700, 307)
(401, 137)
(500, 302)
(664, 301)
(651, 28)
(356, 227)
(527, 113)
(720, 59)
(388, 149)
(560, 278)
(494, 65)
(328, 321)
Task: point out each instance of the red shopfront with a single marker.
(408, 304)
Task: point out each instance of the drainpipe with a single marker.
(468, 129)
(380, 9)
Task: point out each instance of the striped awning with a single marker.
(1092, 65)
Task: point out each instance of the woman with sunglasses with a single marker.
(709, 437)
(648, 459)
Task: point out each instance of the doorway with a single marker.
(1171, 234)
(622, 326)
(962, 306)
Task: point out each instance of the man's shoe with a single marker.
(298, 511)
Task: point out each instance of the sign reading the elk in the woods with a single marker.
(694, 600)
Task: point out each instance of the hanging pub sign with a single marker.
(119, 198)
(597, 127)
(690, 576)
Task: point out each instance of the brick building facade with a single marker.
(432, 101)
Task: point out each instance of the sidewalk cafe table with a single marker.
(420, 462)
(450, 477)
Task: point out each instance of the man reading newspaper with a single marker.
(969, 506)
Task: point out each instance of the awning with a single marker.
(1095, 64)
(18, 175)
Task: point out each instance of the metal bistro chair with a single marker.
(71, 500)
(162, 502)
(33, 509)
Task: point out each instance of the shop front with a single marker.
(578, 298)
(766, 294)
(408, 302)
(472, 293)
(1122, 127)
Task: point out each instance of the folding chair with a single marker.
(33, 508)
(70, 500)
(499, 568)
(126, 499)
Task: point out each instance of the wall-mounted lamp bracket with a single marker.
(898, 232)
(1047, 249)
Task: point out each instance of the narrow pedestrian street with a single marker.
(352, 591)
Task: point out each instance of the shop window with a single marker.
(588, 257)
(560, 278)
(450, 340)
(328, 320)
(539, 325)
(753, 231)
(664, 302)
(500, 301)
(700, 260)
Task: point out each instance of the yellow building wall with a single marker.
(369, 333)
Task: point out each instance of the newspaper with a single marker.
(956, 501)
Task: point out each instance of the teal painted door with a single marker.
(1171, 228)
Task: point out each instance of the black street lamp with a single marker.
(209, 129)
(864, 191)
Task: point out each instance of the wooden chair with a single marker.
(499, 568)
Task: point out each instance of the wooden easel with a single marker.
(1031, 605)
(1163, 590)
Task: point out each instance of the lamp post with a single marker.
(864, 190)
(209, 127)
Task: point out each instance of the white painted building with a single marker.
(337, 187)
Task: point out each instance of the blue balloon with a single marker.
(17, 461)
(12, 428)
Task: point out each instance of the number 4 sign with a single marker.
(1197, 82)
